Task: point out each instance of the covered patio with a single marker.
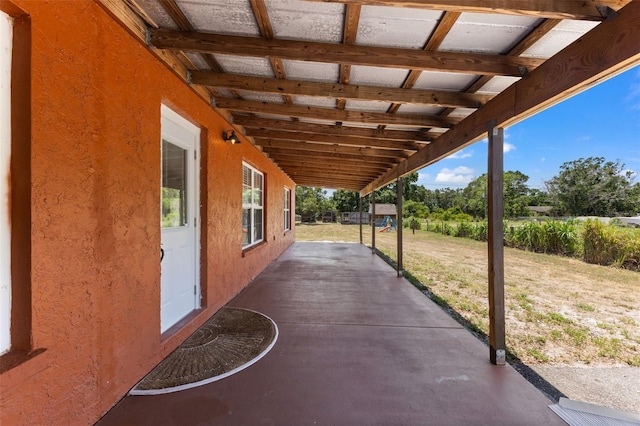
(130, 121)
(357, 345)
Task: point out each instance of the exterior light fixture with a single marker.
(230, 136)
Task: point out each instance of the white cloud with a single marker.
(460, 155)
(508, 147)
(458, 176)
(542, 160)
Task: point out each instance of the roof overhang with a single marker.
(354, 94)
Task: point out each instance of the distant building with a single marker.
(382, 211)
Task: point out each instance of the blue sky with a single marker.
(603, 121)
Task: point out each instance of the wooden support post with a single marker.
(399, 225)
(495, 177)
(360, 220)
(373, 222)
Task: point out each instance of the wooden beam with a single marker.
(298, 50)
(399, 188)
(349, 33)
(350, 176)
(264, 23)
(435, 40)
(603, 52)
(495, 238)
(533, 37)
(360, 217)
(331, 139)
(356, 166)
(333, 130)
(297, 171)
(136, 26)
(172, 8)
(328, 155)
(332, 114)
(561, 9)
(325, 183)
(335, 90)
(373, 222)
(338, 149)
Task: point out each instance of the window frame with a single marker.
(253, 207)
(5, 186)
(287, 209)
(21, 346)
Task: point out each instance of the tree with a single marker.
(414, 208)
(516, 195)
(594, 187)
(346, 201)
(311, 201)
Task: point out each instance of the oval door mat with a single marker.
(228, 342)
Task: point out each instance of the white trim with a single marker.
(252, 206)
(174, 128)
(6, 48)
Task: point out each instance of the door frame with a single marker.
(193, 177)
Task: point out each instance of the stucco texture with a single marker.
(95, 173)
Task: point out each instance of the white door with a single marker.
(179, 219)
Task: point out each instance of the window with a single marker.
(252, 206)
(6, 44)
(287, 209)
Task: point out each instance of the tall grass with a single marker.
(551, 237)
(593, 241)
(606, 245)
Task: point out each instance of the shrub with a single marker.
(463, 230)
(561, 238)
(412, 223)
(480, 231)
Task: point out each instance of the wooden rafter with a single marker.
(331, 114)
(330, 169)
(289, 152)
(343, 174)
(608, 49)
(561, 9)
(435, 40)
(264, 23)
(439, 98)
(350, 31)
(137, 27)
(538, 32)
(457, 62)
(332, 130)
(171, 7)
(332, 139)
(321, 147)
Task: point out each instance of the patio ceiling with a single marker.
(353, 94)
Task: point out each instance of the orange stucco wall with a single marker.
(95, 231)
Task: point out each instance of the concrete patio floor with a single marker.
(357, 346)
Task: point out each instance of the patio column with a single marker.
(495, 215)
(399, 225)
(373, 221)
(360, 220)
